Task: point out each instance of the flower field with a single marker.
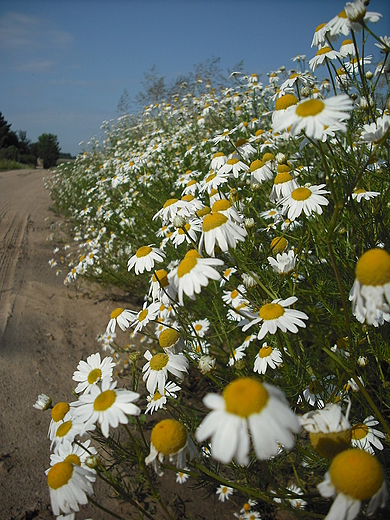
(253, 222)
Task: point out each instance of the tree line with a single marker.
(14, 146)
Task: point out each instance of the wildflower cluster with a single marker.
(255, 219)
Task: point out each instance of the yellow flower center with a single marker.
(234, 294)
(319, 27)
(240, 142)
(285, 101)
(271, 311)
(346, 42)
(259, 132)
(63, 429)
(116, 312)
(373, 267)
(188, 198)
(211, 177)
(282, 178)
(212, 221)
(268, 157)
(94, 376)
(168, 436)
(143, 251)
(169, 202)
(359, 431)
(342, 14)
(157, 396)
(104, 401)
(168, 337)
(232, 161)
(301, 194)
(255, 165)
(59, 475)
(245, 396)
(159, 361)
(218, 154)
(198, 327)
(221, 205)
(188, 263)
(265, 351)
(73, 459)
(191, 183)
(59, 411)
(143, 315)
(278, 244)
(330, 444)
(356, 473)
(311, 107)
(360, 190)
(323, 50)
(202, 212)
(161, 276)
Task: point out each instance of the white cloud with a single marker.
(21, 32)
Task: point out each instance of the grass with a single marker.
(7, 164)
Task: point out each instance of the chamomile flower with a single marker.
(313, 115)
(275, 315)
(284, 184)
(157, 367)
(107, 405)
(357, 13)
(58, 413)
(146, 315)
(218, 160)
(120, 317)
(233, 167)
(236, 354)
(68, 429)
(247, 404)
(370, 293)
(365, 437)
(69, 486)
(200, 327)
(308, 199)
(354, 476)
(156, 401)
(296, 503)
(193, 273)
(219, 230)
(224, 492)
(182, 477)
(170, 439)
(144, 258)
(323, 54)
(74, 453)
(374, 132)
(284, 263)
(329, 429)
(360, 193)
(92, 371)
(267, 357)
(43, 402)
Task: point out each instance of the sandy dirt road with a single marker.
(43, 335)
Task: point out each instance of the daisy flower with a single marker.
(169, 210)
(156, 401)
(308, 199)
(284, 184)
(233, 167)
(200, 327)
(275, 316)
(360, 193)
(364, 436)
(224, 492)
(237, 354)
(353, 476)
(92, 371)
(69, 486)
(218, 230)
(226, 275)
(218, 160)
(319, 35)
(261, 171)
(193, 273)
(323, 54)
(247, 404)
(169, 439)
(157, 367)
(170, 340)
(58, 413)
(160, 288)
(329, 430)
(313, 115)
(374, 132)
(296, 503)
(284, 263)
(120, 317)
(182, 477)
(267, 357)
(43, 402)
(68, 429)
(107, 405)
(206, 364)
(370, 293)
(347, 48)
(74, 453)
(144, 258)
(357, 14)
(212, 181)
(146, 315)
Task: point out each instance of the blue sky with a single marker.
(65, 63)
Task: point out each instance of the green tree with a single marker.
(48, 149)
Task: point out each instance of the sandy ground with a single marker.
(43, 335)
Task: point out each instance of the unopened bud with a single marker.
(178, 221)
(92, 461)
(249, 223)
